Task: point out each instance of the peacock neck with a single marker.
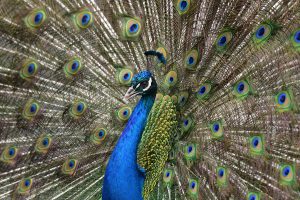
(123, 179)
(132, 133)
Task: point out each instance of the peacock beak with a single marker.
(130, 93)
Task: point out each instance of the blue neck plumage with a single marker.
(123, 179)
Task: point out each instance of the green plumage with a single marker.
(156, 141)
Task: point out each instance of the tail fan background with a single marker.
(232, 65)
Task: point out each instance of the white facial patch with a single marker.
(138, 85)
(149, 85)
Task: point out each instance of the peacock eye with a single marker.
(253, 196)
(144, 84)
(83, 19)
(35, 18)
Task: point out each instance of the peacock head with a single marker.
(142, 84)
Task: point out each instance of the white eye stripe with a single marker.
(149, 84)
(138, 85)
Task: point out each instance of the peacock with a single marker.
(150, 99)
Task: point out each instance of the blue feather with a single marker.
(150, 53)
(159, 55)
(123, 177)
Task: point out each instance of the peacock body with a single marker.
(214, 90)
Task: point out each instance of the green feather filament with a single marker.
(222, 176)
(124, 76)
(43, 144)
(284, 101)
(187, 124)
(98, 135)
(35, 18)
(78, 108)
(30, 110)
(264, 32)
(242, 89)
(257, 145)
(28, 70)
(182, 98)
(217, 131)
(223, 40)
(168, 176)
(191, 59)
(183, 7)
(131, 28)
(253, 195)
(170, 79)
(191, 152)
(24, 186)
(72, 67)
(193, 188)
(203, 91)
(123, 113)
(287, 175)
(9, 155)
(295, 39)
(83, 19)
(69, 167)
